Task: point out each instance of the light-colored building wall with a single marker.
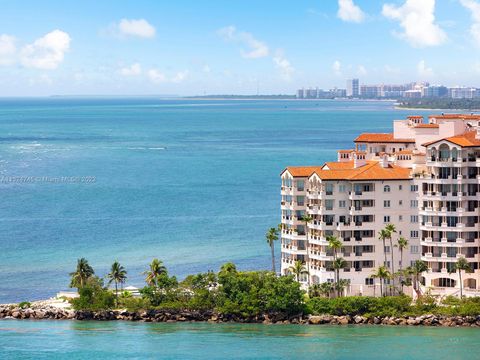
(436, 208)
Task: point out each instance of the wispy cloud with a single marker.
(474, 8)
(8, 49)
(283, 65)
(348, 11)
(130, 28)
(253, 48)
(423, 70)
(132, 70)
(337, 68)
(417, 18)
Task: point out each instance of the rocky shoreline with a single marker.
(171, 316)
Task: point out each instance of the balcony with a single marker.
(286, 190)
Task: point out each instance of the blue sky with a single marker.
(220, 47)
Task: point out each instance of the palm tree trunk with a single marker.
(116, 293)
(393, 266)
(384, 253)
(401, 267)
(381, 287)
(308, 254)
(273, 257)
(461, 285)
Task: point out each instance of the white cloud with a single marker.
(7, 49)
(391, 70)
(337, 68)
(156, 76)
(132, 70)
(361, 71)
(180, 76)
(417, 19)
(46, 52)
(474, 8)
(348, 11)
(206, 69)
(136, 27)
(423, 70)
(283, 65)
(255, 48)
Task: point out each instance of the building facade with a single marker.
(353, 88)
(424, 178)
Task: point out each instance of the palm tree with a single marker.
(298, 268)
(156, 269)
(461, 264)
(118, 275)
(272, 236)
(390, 228)
(326, 288)
(81, 274)
(335, 244)
(416, 270)
(383, 235)
(307, 219)
(382, 273)
(338, 263)
(402, 244)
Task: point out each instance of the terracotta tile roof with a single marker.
(404, 152)
(467, 139)
(346, 151)
(415, 117)
(426, 126)
(301, 171)
(456, 116)
(372, 170)
(381, 138)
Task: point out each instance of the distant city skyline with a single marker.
(190, 48)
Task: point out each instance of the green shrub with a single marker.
(93, 296)
(24, 305)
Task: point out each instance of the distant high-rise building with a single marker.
(300, 94)
(353, 88)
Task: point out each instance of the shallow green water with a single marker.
(124, 340)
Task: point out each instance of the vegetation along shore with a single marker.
(230, 295)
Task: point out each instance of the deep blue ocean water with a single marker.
(194, 183)
(122, 340)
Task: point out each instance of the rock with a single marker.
(359, 319)
(343, 320)
(315, 320)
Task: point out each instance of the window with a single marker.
(300, 200)
(386, 188)
(400, 202)
(368, 281)
(342, 204)
(413, 218)
(414, 249)
(414, 234)
(386, 203)
(329, 204)
(413, 203)
(413, 187)
(400, 187)
(342, 188)
(386, 219)
(387, 249)
(300, 185)
(329, 189)
(400, 217)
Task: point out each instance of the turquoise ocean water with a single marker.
(194, 183)
(123, 340)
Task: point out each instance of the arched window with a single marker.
(386, 188)
(454, 154)
(434, 154)
(444, 152)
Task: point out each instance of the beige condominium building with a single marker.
(424, 178)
